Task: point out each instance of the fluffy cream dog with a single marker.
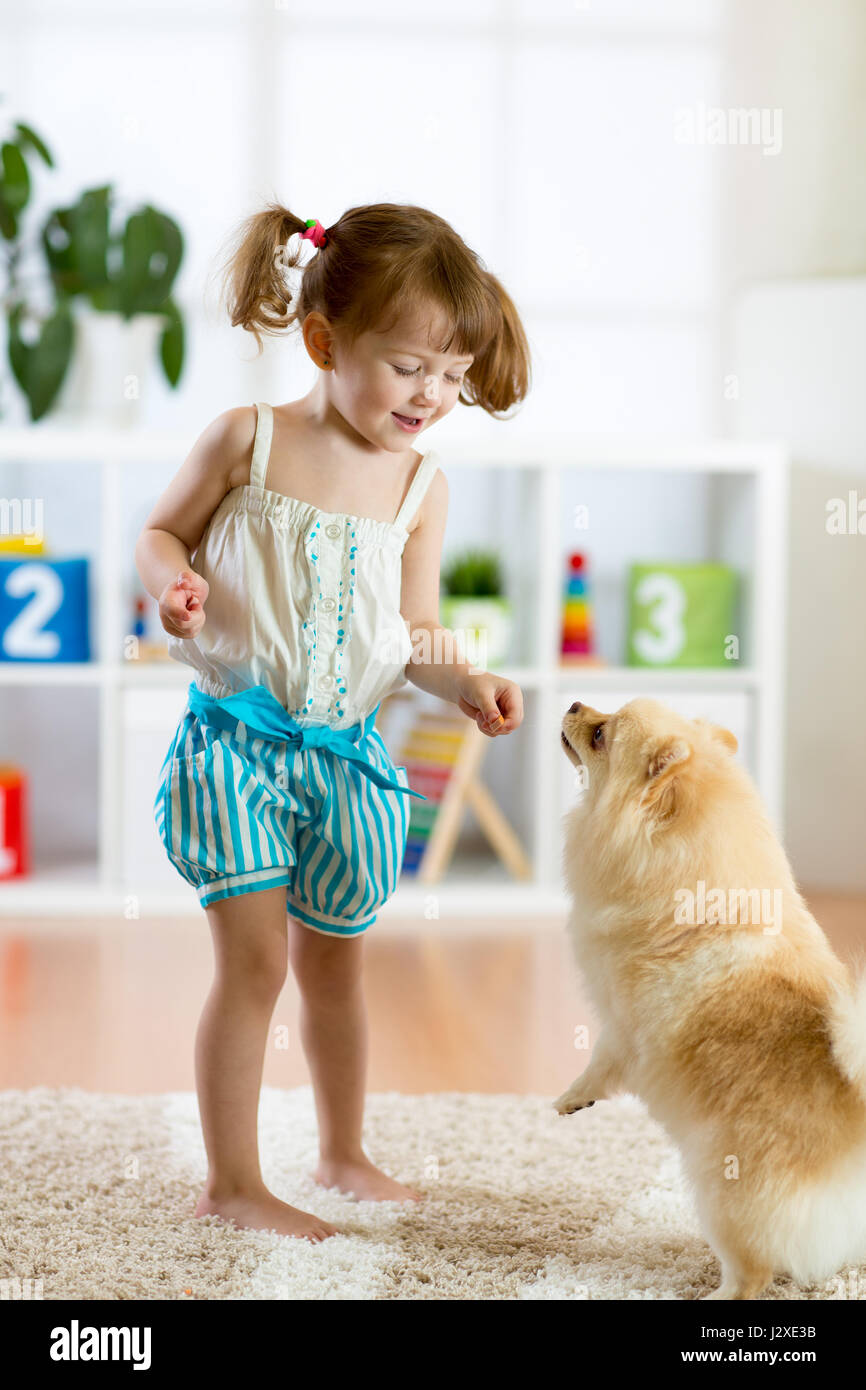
(722, 1004)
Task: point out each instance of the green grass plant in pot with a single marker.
(473, 604)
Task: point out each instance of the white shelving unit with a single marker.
(757, 537)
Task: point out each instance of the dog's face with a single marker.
(645, 762)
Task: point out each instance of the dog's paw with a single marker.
(569, 1102)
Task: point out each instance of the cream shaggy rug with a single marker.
(98, 1193)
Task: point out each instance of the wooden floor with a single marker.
(114, 1008)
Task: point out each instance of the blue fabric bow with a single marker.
(265, 717)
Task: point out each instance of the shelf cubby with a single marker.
(703, 500)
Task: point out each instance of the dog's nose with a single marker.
(575, 707)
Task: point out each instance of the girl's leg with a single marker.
(250, 949)
(334, 1037)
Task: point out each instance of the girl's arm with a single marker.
(435, 663)
(177, 522)
(494, 702)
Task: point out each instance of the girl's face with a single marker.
(392, 386)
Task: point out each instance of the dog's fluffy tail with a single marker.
(848, 1030)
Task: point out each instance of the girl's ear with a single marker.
(662, 796)
(720, 734)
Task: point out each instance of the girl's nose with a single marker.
(428, 391)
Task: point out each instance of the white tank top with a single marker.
(304, 602)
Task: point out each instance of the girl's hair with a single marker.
(381, 261)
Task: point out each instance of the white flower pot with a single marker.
(484, 625)
(112, 365)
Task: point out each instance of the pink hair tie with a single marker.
(316, 233)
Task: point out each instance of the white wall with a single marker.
(542, 129)
(800, 354)
(801, 212)
(793, 270)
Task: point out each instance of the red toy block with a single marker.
(14, 844)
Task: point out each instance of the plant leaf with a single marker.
(152, 252)
(106, 298)
(8, 220)
(76, 244)
(91, 236)
(39, 367)
(27, 136)
(16, 177)
(171, 344)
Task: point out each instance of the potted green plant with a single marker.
(473, 604)
(88, 257)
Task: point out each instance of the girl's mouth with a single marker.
(406, 422)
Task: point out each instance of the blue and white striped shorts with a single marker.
(238, 813)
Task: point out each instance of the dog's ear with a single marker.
(725, 738)
(663, 791)
(720, 734)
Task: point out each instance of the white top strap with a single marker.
(262, 444)
(419, 485)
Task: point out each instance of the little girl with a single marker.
(292, 555)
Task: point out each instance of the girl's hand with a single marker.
(181, 603)
(496, 704)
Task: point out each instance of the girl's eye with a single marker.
(595, 738)
(404, 371)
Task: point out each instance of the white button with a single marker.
(333, 530)
(329, 604)
(325, 682)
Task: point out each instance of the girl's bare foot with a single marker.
(262, 1211)
(364, 1180)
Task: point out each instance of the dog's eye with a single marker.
(597, 741)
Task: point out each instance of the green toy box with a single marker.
(682, 615)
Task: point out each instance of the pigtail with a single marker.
(500, 375)
(256, 294)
